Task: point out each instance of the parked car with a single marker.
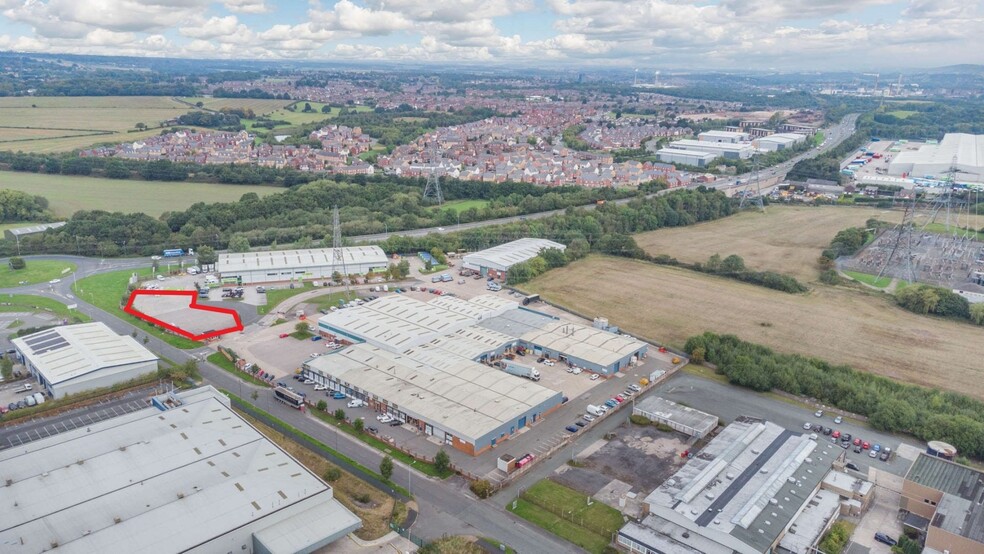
(852, 466)
(308, 382)
(580, 423)
(620, 398)
(876, 448)
(635, 387)
(395, 423)
(846, 437)
(867, 445)
(284, 335)
(872, 454)
(857, 442)
(594, 376)
(373, 430)
(571, 429)
(883, 457)
(315, 338)
(838, 420)
(885, 539)
(818, 413)
(857, 449)
(611, 403)
(338, 395)
(355, 403)
(320, 387)
(835, 435)
(588, 417)
(807, 426)
(827, 431)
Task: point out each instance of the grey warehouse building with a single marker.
(184, 475)
(75, 358)
(496, 261)
(682, 418)
(294, 265)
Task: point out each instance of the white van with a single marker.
(39, 398)
(192, 270)
(594, 410)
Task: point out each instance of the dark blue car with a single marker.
(571, 428)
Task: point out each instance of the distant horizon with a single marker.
(707, 35)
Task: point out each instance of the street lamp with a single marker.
(409, 476)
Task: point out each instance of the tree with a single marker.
(733, 264)
(141, 126)
(326, 109)
(336, 277)
(239, 243)
(339, 414)
(713, 264)
(894, 415)
(307, 108)
(207, 255)
(7, 368)
(977, 313)
(321, 405)
(482, 488)
(359, 425)
(386, 468)
(906, 546)
(17, 263)
(438, 255)
(577, 249)
(554, 257)
(256, 394)
(442, 462)
(404, 269)
(302, 327)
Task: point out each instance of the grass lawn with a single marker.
(589, 527)
(30, 303)
(902, 114)
(107, 289)
(941, 229)
(37, 271)
(818, 138)
(326, 301)
(70, 193)
(462, 205)
(276, 296)
(434, 269)
(867, 279)
(561, 527)
(220, 360)
(426, 468)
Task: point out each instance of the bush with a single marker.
(333, 474)
(482, 488)
(926, 299)
(442, 462)
(386, 467)
(639, 420)
(928, 414)
(830, 277)
(321, 406)
(17, 263)
(339, 414)
(836, 539)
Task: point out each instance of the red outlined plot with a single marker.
(229, 319)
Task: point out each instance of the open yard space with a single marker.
(37, 271)
(860, 328)
(68, 194)
(462, 205)
(564, 512)
(785, 239)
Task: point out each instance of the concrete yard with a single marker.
(177, 311)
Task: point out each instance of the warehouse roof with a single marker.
(466, 398)
(730, 485)
(723, 134)
(507, 255)
(704, 145)
(64, 353)
(130, 483)
(684, 415)
(472, 342)
(30, 230)
(394, 322)
(315, 257)
(684, 152)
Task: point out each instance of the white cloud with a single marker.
(246, 6)
(347, 16)
(452, 10)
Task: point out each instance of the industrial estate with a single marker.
(458, 312)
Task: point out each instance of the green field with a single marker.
(260, 106)
(37, 271)
(299, 117)
(941, 229)
(462, 205)
(31, 303)
(69, 193)
(58, 124)
(902, 114)
(275, 297)
(106, 291)
(867, 279)
(590, 527)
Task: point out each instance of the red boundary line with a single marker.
(193, 304)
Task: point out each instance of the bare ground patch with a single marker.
(844, 326)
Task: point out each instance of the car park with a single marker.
(572, 428)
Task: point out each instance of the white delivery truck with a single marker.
(595, 410)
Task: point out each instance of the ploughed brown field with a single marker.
(841, 325)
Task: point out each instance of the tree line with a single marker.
(928, 414)
(21, 206)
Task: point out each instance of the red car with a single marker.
(617, 399)
(284, 335)
(857, 442)
(865, 446)
(836, 434)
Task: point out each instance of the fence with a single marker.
(405, 533)
(577, 519)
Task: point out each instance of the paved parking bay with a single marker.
(36, 429)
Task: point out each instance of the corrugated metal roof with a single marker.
(234, 262)
(507, 255)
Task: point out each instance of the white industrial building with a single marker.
(496, 261)
(295, 265)
(74, 358)
(429, 363)
(755, 488)
(722, 149)
(681, 418)
(779, 141)
(934, 160)
(686, 157)
(185, 475)
(732, 137)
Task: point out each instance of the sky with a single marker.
(646, 34)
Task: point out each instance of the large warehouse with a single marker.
(186, 475)
(74, 358)
(731, 151)
(293, 265)
(947, 498)
(496, 261)
(934, 160)
(686, 157)
(467, 405)
(428, 363)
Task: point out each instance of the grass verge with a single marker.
(276, 296)
(872, 280)
(106, 290)
(220, 360)
(566, 513)
(37, 271)
(433, 269)
(31, 303)
(426, 468)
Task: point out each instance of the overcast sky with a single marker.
(648, 34)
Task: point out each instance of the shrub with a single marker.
(322, 405)
(830, 277)
(333, 474)
(482, 488)
(17, 263)
(339, 414)
(442, 462)
(385, 467)
(639, 420)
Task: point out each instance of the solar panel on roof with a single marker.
(55, 343)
